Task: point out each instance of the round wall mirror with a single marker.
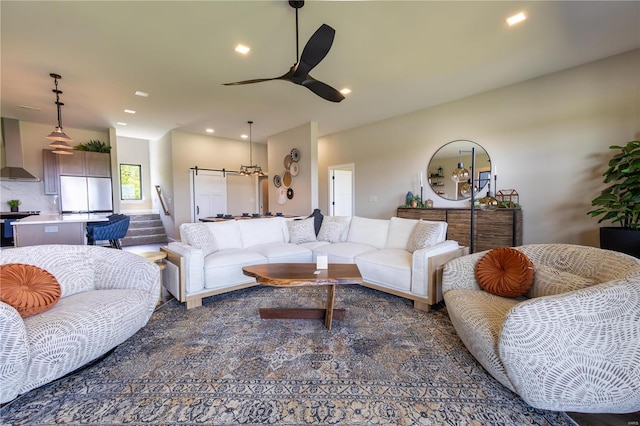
(452, 182)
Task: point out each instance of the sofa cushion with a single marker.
(301, 231)
(399, 232)
(283, 252)
(199, 236)
(342, 252)
(261, 231)
(426, 234)
(75, 271)
(505, 272)
(549, 281)
(224, 267)
(227, 234)
(388, 267)
(372, 232)
(334, 229)
(29, 289)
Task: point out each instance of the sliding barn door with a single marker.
(208, 194)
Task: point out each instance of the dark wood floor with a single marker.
(584, 419)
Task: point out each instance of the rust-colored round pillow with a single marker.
(505, 272)
(27, 288)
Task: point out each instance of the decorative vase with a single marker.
(409, 197)
(414, 204)
(14, 209)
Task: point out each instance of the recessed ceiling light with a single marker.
(141, 93)
(210, 130)
(518, 17)
(129, 111)
(244, 136)
(345, 91)
(120, 123)
(241, 48)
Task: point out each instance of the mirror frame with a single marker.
(445, 160)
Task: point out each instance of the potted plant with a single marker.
(415, 201)
(13, 204)
(93, 145)
(619, 203)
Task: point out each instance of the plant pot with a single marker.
(621, 240)
(414, 204)
(14, 209)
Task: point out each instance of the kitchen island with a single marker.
(54, 228)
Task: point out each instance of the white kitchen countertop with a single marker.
(61, 218)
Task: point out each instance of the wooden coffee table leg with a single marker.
(328, 315)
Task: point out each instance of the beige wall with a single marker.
(548, 137)
(305, 184)
(190, 150)
(162, 175)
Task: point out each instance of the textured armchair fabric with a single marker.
(572, 344)
(107, 296)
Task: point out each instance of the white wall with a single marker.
(305, 185)
(548, 137)
(135, 151)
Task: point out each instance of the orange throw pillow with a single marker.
(27, 288)
(505, 272)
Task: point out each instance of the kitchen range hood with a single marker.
(14, 170)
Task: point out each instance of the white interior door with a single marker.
(209, 193)
(341, 192)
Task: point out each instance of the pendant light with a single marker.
(58, 136)
(460, 174)
(252, 169)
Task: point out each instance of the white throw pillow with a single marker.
(199, 236)
(334, 228)
(302, 231)
(424, 234)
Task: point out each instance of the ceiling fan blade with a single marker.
(287, 76)
(323, 90)
(315, 50)
(257, 80)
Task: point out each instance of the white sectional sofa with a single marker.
(399, 256)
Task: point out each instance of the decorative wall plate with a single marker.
(290, 193)
(287, 161)
(295, 155)
(293, 169)
(277, 181)
(286, 178)
(282, 195)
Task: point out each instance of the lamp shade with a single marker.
(60, 136)
(460, 174)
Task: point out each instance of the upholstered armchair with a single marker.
(571, 343)
(105, 296)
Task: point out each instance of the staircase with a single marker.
(144, 229)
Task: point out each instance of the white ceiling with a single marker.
(396, 56)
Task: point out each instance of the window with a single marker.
(130, 182)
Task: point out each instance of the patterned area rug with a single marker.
(385, 363)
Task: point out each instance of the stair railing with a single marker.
(164, 208)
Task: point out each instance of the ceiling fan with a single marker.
(314, 51)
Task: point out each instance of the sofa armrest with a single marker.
(125, 270)
(577, 351)
(14, 352)
(460, 273)
(189, 262)
(426, 265)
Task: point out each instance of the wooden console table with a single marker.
(492, 228)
